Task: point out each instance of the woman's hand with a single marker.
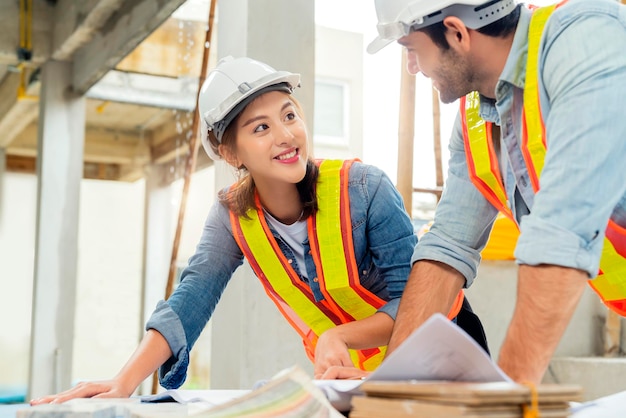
(99, 389)
(151, 353)
(332, 346)
(342, 372)
(331, 350)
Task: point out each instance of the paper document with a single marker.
(437, 350)
(211, 397)
(612, 406)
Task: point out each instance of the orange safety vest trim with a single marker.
(332, 249)
(610, 284)
(330, 236)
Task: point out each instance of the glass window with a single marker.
(331, 111)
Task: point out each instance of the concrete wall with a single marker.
(493, 297)
(17, 247)
(578, 357)
(109, 271)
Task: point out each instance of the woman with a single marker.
(330, 241)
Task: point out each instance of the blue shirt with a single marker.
(582, 86)
(383, 239)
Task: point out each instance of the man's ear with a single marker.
(457, 33)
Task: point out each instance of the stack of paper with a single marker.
(290, 394)
(458, 399)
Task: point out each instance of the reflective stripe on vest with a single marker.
(484, 172)
(330, 236)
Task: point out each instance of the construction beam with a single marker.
(101, 146)
(77, 23)
(146, 90)
(174, 148)
(130, 25)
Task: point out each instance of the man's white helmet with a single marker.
(398, 18)
(230, 87)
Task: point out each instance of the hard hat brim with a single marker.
(378, 44)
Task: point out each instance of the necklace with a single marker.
(300, 217)
(267, 212)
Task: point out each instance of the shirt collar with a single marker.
(514, 71)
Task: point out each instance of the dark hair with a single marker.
(500, 28)
(240, 197)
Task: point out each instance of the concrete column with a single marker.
(250, 338)
(157, 246)
(61, 139)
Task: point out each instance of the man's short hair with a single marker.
(500, 28)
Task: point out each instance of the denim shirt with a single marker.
(383, 239)
(582, 86)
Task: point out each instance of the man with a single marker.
(553, 84)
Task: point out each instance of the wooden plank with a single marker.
(437, 140)
(612, 334)
(406, 131)
(92, 171)
(19, 164)
(99, 171)
(133, 22)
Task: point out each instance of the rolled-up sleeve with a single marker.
(164, 320)
(184, 315)
(463, 218)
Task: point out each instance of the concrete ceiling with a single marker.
(137, 65)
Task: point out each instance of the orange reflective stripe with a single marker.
(611, 283)
(617, 235)
(456, 306)
(345, 298)
(333, 252)
(481, 158)
(282, 284)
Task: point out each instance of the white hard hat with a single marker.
(398, 18)
(230, 87)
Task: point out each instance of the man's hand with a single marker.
(546, 299)
(432, 287)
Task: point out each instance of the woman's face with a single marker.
(271, 140)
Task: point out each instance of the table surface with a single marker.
(10, 410)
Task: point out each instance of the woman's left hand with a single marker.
(331, 350)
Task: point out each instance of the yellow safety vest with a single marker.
(484, 171)
(330, 237)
